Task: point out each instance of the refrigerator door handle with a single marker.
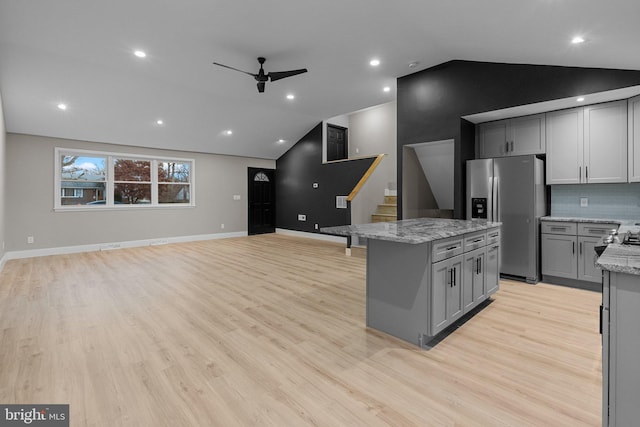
(495, 195)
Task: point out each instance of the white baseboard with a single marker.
(114, 245)
(316, 236)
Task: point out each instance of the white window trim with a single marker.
(109, 205)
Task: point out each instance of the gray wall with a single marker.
(3, 178)
(372, 132)
(29, 199)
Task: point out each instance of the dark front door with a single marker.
(262, 201)
(337, 148)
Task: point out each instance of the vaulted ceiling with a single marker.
(81, 53)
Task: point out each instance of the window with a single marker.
(95, 179)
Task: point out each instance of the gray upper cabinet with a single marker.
(605, 142)
(587, 144)
(512, 137)
(634, 139)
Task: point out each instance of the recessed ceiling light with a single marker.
(228, 132)
(62, 106)
(159, 122)
(580, 99)
(374, 62)
(291, 96)
(140, 53)
(281, 141)
(387, 89)
(413, 64)
(577, 40)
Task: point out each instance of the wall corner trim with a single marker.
(316, 236)
(114, 245)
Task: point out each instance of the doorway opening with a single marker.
(337, 144)
(261, 201)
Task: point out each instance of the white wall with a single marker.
(30, 197)
(372, 132)
(3, 179)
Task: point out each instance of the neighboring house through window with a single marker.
(87, 179)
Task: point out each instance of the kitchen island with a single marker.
(424, 274)
(620, 332)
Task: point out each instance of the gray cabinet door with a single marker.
(492, 270)
(492, 139)
(446, 293)
(565, 141)
(587, 258)
(634, 138)
(559, 255)
(527, 135)
(605, 142)
(473, 277)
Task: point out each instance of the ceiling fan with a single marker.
(262, 77)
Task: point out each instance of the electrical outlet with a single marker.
(315, 185)
(315, 226)
(222, 226)
(30, 240)
(302, 217)
(584, 202)
(236, 197)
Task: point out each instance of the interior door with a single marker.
(262, 212)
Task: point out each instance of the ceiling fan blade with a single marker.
(235, 69)
(260, 87)
(277, 75)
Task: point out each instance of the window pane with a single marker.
(174, 171)
(131, 194)
(173, 193)
(132, 170)
(81, 168)
(82, 193)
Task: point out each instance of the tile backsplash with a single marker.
(616, 201)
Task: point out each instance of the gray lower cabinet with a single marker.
(559, 257)
(568, 249)
(474, 278)
(446, 293)
(492, 278)
(620, 349)
(587, 258)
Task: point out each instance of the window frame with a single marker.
(110, 180)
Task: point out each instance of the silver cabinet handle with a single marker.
(586, 172)
(512, 146)
(573, 247)
(580, 248)
(451, 247)
(579, 173)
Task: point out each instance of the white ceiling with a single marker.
(80, 52)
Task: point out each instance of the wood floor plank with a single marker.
(270, 330)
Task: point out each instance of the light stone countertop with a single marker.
(575, 219)
(412, 231)
(621, 259)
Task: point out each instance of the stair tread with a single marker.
(384, 214)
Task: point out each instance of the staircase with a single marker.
(388, 211)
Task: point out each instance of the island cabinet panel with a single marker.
(398, 288)
(474, 278)
(492, 270)
(446, 293)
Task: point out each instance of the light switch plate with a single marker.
(584, 202)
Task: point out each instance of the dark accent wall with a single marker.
(296, 172)
(432, 102)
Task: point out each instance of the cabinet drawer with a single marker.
(596, 229)
(493, 236)
(559, 227)
(446, 248)
(475, 240)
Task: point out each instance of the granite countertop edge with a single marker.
(412, 231)
(620, 259)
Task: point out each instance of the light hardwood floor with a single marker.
(270, 331)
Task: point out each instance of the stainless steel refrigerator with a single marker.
(511, 190)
